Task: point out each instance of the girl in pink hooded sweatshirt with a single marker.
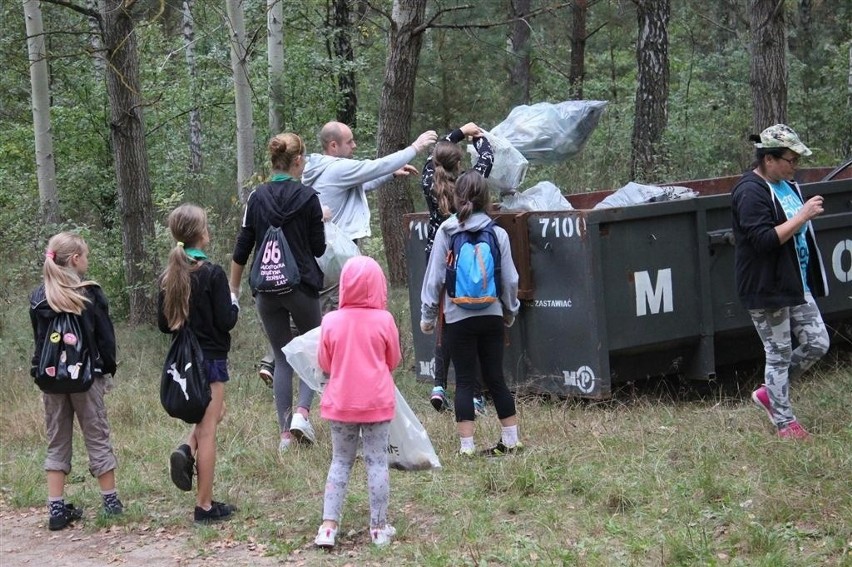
(359, 348)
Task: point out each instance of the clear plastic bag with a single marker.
(543, 196)
(638, 194)
(409, 447)
(338, 249)
(550, 133)
(509, 168)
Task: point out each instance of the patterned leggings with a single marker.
(344, 445)
(782, 362)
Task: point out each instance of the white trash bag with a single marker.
(509, 168)
(550, 133)
(409, 447)
(543, 196)
(338, 249)
(638, 194)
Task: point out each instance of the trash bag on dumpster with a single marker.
(638, 194)
(509, 168)
(550, 133)
(543, 196)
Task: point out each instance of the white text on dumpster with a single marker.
(653, 297)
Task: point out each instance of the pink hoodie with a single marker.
(359, 348)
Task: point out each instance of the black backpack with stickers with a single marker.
(65, 365)
(184, 389)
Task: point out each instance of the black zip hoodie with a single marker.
(297, 210)
(767, 272)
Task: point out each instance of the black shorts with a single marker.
(217, 370)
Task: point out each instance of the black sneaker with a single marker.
(62, 514)
(181, 465)
(218, 512)
(265, 370)
(501, 449)
(112, 505)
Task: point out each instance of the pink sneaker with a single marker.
(760, 397)
(793, 431)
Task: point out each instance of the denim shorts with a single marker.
(217, 370)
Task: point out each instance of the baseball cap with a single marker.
(782, 136)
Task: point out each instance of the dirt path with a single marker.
(25, 541)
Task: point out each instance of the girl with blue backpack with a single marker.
(474, 324)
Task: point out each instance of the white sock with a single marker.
(510, 436)
(467, 443)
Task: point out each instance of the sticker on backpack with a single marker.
(473, 268)
(274, 269)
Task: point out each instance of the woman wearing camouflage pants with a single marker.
(779, 270)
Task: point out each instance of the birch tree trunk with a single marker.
(196, 157)
(127, 130)
(395, 110)
(768, 70)
(275, 64)
(652, 90)
(242, 97)
(519, 48)
(45, 165)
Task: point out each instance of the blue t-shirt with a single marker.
(792, 204)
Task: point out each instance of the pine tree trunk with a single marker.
(577, 72)
(519, 39)
(275, 64)
(343, 52)
(768, 72)
(196, 157)
(45, 165)
(242, 98)
(652, 90)
(131, 158)
(395, 112)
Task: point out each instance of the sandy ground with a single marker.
(25, 540)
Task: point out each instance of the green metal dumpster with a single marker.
(614, 295)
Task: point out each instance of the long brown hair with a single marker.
(471, 194)
(187, 223)
(62, 284)
(447, 159)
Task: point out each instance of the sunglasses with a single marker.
(794, 162)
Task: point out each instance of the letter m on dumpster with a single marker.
(651, 297)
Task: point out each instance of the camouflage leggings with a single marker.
(783, 363)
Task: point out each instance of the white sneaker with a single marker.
(382, 536)
(302, 430)
(325, 537)
(284, 444)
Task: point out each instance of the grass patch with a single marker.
(654, 477)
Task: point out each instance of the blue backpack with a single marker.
(473, 268)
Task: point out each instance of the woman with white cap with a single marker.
(779, 269)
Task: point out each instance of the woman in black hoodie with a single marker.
(779, 269)
(284, 202)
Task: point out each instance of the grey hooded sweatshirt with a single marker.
(343, 183)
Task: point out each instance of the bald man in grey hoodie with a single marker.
(343, 182)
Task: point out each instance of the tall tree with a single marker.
(652, 89)
(341, 26)
(45, 165)
(196, 157)
(95, 42)
(577, 71)
(275, 64)
(519, 48)
(395, 110)
(768, 70)
(127, 129)
(242, 97)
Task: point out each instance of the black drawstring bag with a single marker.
(65, 364)
(184, 389)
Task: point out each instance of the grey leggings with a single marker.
(344, 445)
(275, 312)
(783, 363)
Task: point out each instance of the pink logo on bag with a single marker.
(69, 339)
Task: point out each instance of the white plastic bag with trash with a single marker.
(509, 168)
(550, 133)
(409, 447)
(638, 194)
(543, 196)
(338, 249)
